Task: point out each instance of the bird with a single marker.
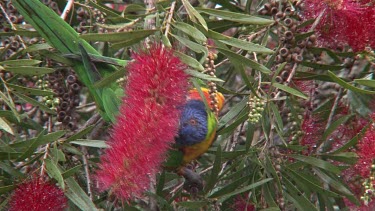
(196, 133)
(198, 124)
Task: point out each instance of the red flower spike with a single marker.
(37, 195)
(313, 129)
(366, 152)
(147, 124)
(343, 22)
(241, 203)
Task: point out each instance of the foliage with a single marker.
(296, 118)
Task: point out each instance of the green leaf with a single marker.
(111, 103)
(21, 62)
(202, 76)
(11, 170)
(215, 170)
(227, 189)
(70, 172)
(9, 155)
(9, 102)
(32, 144)
(30, 91)
(192, 45)
(29, 70)
(346, 157)
(191, 31)
(90, 143)
(302, 36)
(80, 134)
(366, 82)
(76, 195)
(317, 163)
(118, 36)
(233, 112)
(297, 198)
(245, 189)
(43, 139)
(311, 183)
(338, 186)
(347, 85)
(243, 60)
(4, 125)
(6, 189)
(110, 78)
(63, 37)
(98, 59)
(193, 14)
(118, 45)
(189, 61)
(237, 17)
(290, 90)
(276, 113)
(245, 45)
(322, 66)
(54, 172)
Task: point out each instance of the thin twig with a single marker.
(87, 171)
(43, 168)
(169, 20)
(132, 23)
(150, 6)
(14, 29)
(334, 107)
(67, 9)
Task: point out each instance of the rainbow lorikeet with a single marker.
(197, 125)
(197, 132)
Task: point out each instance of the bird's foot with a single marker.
(193, 181)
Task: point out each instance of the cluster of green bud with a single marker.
(256, 108)
(50, 101)
(44, 85)
(296, 132)
(368, 184)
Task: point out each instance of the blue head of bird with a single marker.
(193, 123)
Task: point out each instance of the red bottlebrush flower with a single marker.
(37, 195)
(147, 124)
(366, 152)
(242, 204)
(313, 129)
(343, 22)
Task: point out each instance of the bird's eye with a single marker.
(193, 122)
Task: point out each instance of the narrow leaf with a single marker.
(90, 143)
(54, 172)
(4, 125)
(193, 14)
(191, 31)
(290, 90)
(237, 17)
(347, 85)
(245, 61)
(29, 70)
(318, 163)
(189, 61)
(21, 62)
